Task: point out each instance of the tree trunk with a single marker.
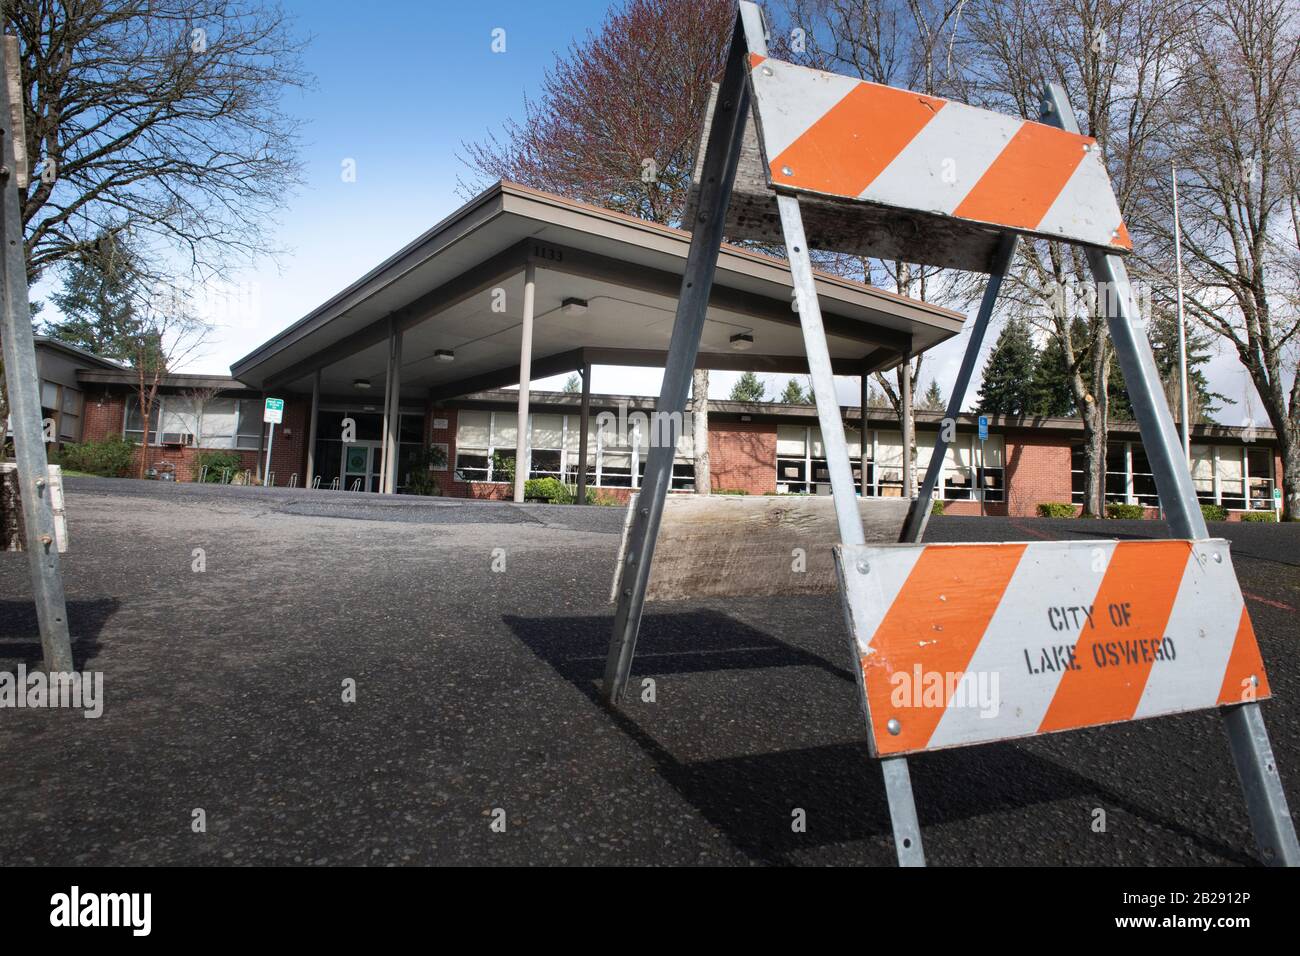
(1290, 450)
(700, 424)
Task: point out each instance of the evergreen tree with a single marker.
(1202, 402)
(573, 384)
(1050, 383)
(1006, 389)
(932, 400)
(748, 388)
(794, 394)
(99, 301)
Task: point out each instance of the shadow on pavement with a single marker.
(748, 798)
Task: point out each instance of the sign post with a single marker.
(273, 414)
(984, 436)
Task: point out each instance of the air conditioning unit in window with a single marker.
(179, 439)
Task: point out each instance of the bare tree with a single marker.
(168, 334)
(160, 117)
(906, 43)
(617, 125)
(1118, 61)
(1235, 140)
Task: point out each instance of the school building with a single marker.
(427, 349)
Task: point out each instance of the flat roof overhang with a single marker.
(459, 287)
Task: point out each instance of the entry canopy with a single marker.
(889, 173)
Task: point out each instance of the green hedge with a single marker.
(551, 490)
(1214, 512)
(1126, 512)
(1262, 517)
(110, 458)
(1055, 509)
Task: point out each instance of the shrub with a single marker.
(936, 508)
(550, 490)
(1126, 512)
(1055, 509)
(1263, 517)
(216, 463)
(110, 458)
(1214, 512)
(730, 491)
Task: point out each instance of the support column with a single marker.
(525, 375)
(393, 423)
(865, 432)
(907, 420)
(311, 428)
(584, 416)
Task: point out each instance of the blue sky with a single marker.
(399, 86)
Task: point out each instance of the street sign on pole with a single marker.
(272, 414)
(984, 428)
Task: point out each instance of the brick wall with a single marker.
(1037, 471)
(742, 456)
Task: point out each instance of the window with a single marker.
(473, 433)
(179, 420)
(249, 433)
(801, 466)
(971, 467)
(613, 460)
(1259, 479)
(133, 427)
(70, 419)
(1120, 488)
(217, 420)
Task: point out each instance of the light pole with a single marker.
(1182, 329)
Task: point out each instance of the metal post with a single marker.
(918, 515)
(722, 155)
(863, 396)
(1182, 325)
(525, 379)
(23, 384)
(898, 783)
(1252, 753)
(388, 481)
(584, 418)
(311, 428)
(908, 420)
(269, 445)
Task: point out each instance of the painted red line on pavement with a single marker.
(1263, 600)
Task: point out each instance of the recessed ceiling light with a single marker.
(444, 355)
(742, 341)
(361, 383)
(572, 306)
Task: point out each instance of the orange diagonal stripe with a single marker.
(936, 621)
(1025, 179)
(1142, 578)
(855, 140)
(1244, 663)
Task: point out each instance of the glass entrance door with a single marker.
(361, 464)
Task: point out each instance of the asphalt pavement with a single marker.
(229, 624)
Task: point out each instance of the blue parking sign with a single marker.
(984, 428)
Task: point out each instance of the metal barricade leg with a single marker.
(1270, 818)
(721, 158)
(898, 783)
(23, 384)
